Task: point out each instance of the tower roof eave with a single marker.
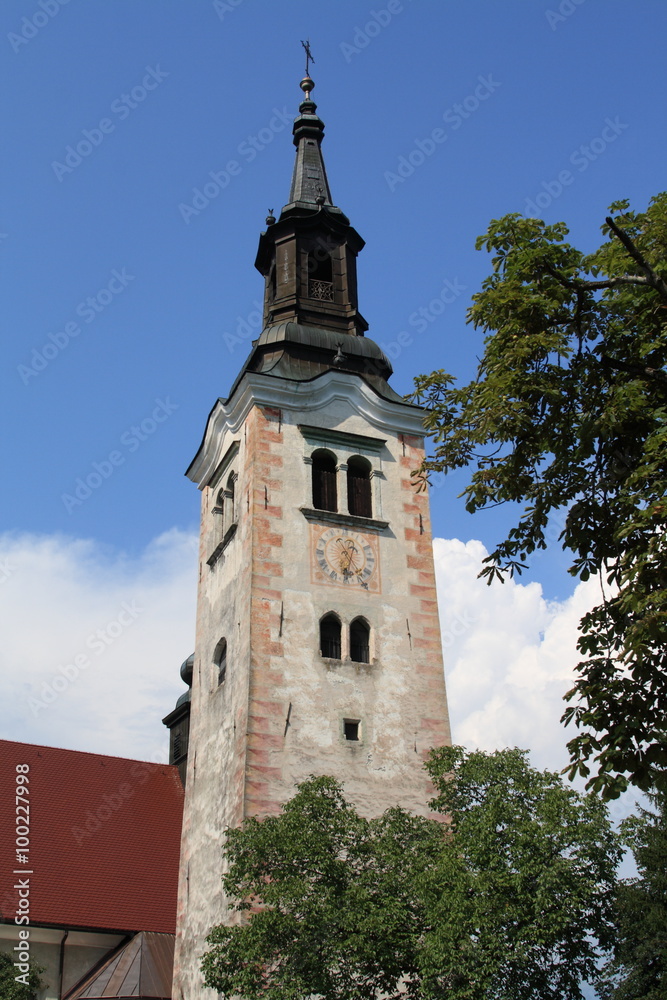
(385, 410)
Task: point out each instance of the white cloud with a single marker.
(509, 655)
(128, 620)
(509, 659)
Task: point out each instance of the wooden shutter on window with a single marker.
(324, 483)
(359, 491)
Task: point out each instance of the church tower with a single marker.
(318, 644)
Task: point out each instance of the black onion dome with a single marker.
(187, 666)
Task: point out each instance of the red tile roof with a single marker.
(104, 839)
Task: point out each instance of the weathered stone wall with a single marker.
(278, 716)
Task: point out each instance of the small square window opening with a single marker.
(351, 729)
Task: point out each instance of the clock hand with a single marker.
(349, 551)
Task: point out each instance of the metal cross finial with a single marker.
(309, 55)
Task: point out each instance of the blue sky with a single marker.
(127, 314)
(551, 84)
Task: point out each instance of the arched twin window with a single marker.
(225, 509)
(331, 635)
(325, 489)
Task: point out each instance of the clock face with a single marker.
(347, 558)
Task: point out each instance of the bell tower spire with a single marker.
(318, 645)
(308, 257)
(309, 179)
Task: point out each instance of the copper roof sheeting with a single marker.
(141, 969)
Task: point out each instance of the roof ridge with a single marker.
(88, 753)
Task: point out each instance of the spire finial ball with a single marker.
(307, 85)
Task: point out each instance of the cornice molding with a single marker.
(305, 398)
(349, 520)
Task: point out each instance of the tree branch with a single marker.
(578, 284)
(652, 374)
(652, 279)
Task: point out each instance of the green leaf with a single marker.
(568, 412)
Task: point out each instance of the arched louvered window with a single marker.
(220, 660)
(359, 499)
(330, 636)
(324, 480)
(360, 637)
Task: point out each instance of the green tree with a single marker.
(567, 417)
(508, 899)
(10, 989)
(639, 967)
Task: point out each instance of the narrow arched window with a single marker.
(324, 480)
(320, 275)
(359, 487)
(330, 636)
(360, 636)
(220, 660)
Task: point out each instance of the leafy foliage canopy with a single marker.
(568, 418)
(505, 900)
(638, 970)
(10, 988)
